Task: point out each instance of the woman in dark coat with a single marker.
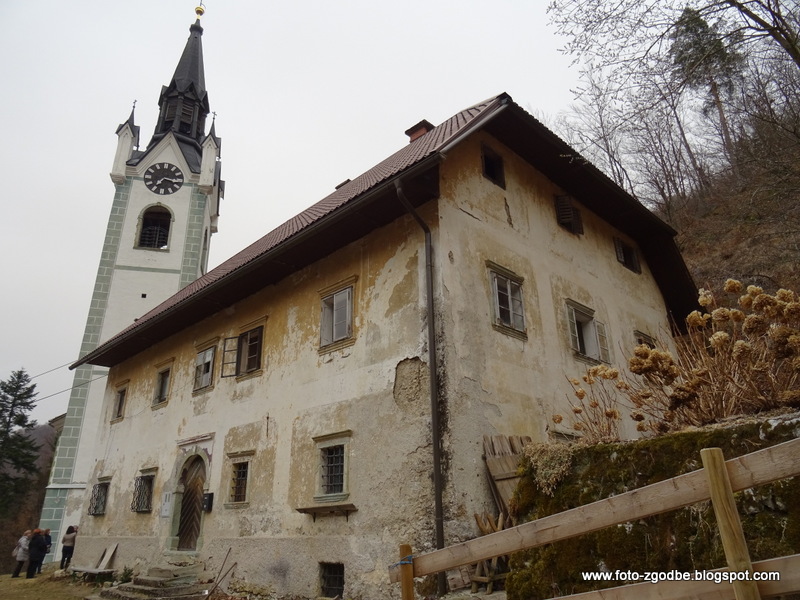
(37, 549)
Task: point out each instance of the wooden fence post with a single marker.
(406, 573)
(730, 527)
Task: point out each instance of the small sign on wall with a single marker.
(166, 505)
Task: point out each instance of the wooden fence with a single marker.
(716, 481)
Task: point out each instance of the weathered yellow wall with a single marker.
(376, 388)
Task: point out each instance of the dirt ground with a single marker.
(43, 587)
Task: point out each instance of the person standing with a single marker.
(68, 547)
(37, 549)
(49, 539)
(22, 551)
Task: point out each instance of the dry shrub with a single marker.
(740, 356)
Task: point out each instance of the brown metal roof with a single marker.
(369, 201)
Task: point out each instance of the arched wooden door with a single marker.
(194, 480)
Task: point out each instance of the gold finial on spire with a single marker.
(200, 10)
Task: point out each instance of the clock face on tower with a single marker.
(163, 178)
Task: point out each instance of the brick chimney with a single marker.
(418, 130)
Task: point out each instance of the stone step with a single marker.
(176, 571)
(135, 592)
(162, 592)
(163, 582)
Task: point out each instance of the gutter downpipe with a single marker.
(438, 483)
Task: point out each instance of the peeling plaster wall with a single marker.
(373, 393)
(374, 386)
(496, 383)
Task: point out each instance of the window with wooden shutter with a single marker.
(337, 317)
(204, 368)
(588, 337)
(242, 354)
(568, 215)
(627, 255)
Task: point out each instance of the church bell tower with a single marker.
(164, 212)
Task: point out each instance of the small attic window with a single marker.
(493, 166)
(568, 215)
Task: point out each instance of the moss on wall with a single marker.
(684, 540)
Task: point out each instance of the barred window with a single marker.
(97, 503)
(143, 494)
(333, 469)
(331, 579)
(239, 482)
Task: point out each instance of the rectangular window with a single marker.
(333, 469)
(568, 215)
(588, 336)
(333, 451)
(97, 503)
(507, 290)
(627, 255)
(239, 482)
(642, 339)
(331, 580)
(242, 354)
(162, 386)
(493, 168)
(143, 493)
(119, 403)
(337, 317)
(204, 368)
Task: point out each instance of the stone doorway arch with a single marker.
(192, 482)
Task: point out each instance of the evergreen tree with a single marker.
(18, 453)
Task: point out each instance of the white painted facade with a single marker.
(132, 278)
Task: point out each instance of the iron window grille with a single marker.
(239, 482)
(332, 469)
(143, 494)
(97, 503)
(332, 579)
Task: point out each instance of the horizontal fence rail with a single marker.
(754, 469)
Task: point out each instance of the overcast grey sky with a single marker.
(307, 94)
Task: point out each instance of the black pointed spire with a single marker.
(184, 102)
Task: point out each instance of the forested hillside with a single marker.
(694, 109)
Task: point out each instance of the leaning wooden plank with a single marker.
(787, 566)
(106, 558)
(758, 468)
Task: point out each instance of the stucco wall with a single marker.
(371, 392)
